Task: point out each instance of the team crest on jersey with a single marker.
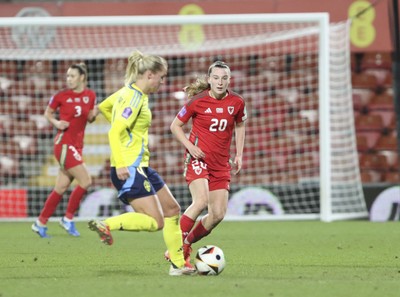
(231, 109)
(127, 112)
(85, 99)
(146, 185)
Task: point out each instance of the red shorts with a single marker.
(67, 155)
(217, 180)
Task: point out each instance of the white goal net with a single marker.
(300, 158)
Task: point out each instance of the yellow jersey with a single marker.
(128, 112)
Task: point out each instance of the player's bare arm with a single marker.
(50, 116)
(240, 135)
(93, 114)
(177, 130)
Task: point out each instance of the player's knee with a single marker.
(172, 210)
(217, 216)
(175, 210)
(60, 189)
(85, 183)
(200, 203)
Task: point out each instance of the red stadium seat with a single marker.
(366, 140)
(364, 81)
(10, 148)
(376, 60)
(9, 69)
(113, 82)
(370, 176)
(309, 143)
(28, 145)
(388, 82)
(383, 76)
(392, 177)
(38, 106)
(373, 162)
(362, 143)
(9, 167)
(42, 126)
(304, 61)
(272, 63)
(392, 124)
(300, 124)
(286, 178)
(392, 158)
(383, 101)
(23, 104)
(272, 164)
(37, 73)
(361, 98)
(5, 85)
(387, 142)
(305, 165)
(281, 145)
(197, 65)
(300, 80)
(21, 127)
(386, 116)
(308, 101)
(366, 122)
(7, 107)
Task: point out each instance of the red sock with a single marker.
(186, 225)
(197, 233)
(49, 207)
(74, 201)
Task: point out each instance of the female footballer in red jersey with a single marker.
(76, 107)
(216, 112)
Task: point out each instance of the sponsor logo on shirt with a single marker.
(220, 110)
(77, 99)
(208, 110)
(127, 112)
(182, 112)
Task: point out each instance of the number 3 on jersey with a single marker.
(78, 111)
(218, 125)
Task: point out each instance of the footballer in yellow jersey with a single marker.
(130, 117)
(128, 108)
(137, 183)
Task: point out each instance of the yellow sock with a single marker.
(173, 240)
(132, 221)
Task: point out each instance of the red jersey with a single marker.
(73, 108)
(213, 122)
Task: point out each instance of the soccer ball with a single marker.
(210, 260)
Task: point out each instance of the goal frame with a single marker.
(322, 19)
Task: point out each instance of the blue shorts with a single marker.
(144, 181)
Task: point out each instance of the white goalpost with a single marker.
(293, 70)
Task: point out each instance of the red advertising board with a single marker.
(13, 203)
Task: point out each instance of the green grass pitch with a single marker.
(268, 259)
